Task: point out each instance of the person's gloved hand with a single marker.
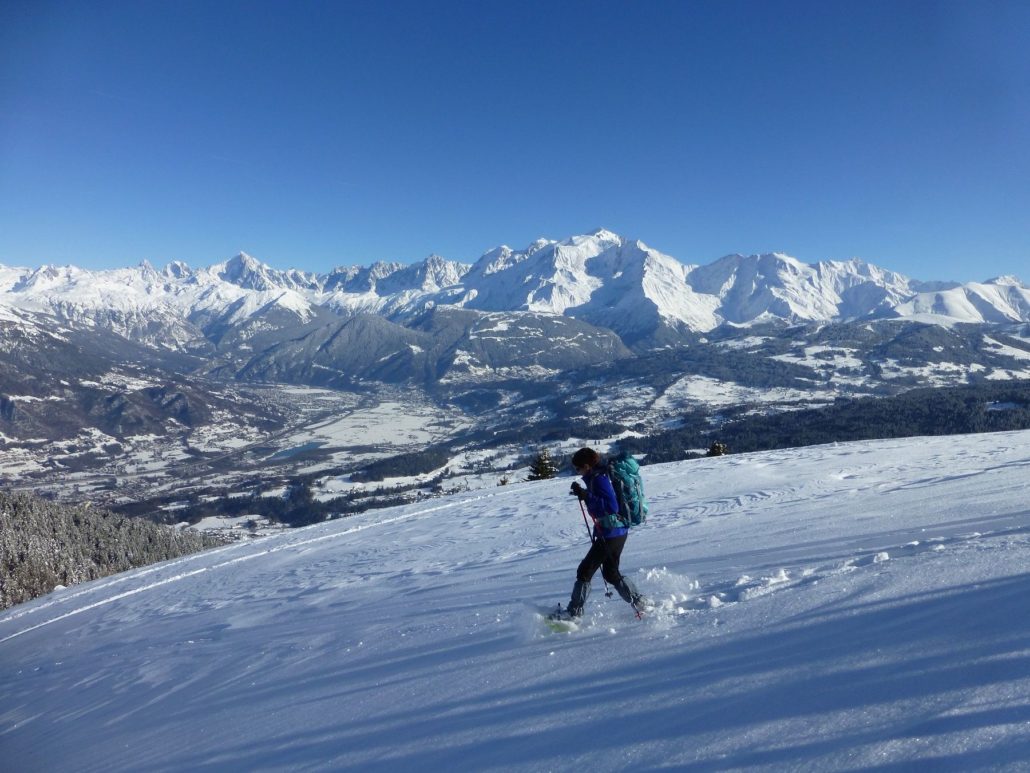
(579, 492)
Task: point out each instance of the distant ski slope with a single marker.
(850, 607)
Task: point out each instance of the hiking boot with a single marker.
(642, 603)
(569, 613)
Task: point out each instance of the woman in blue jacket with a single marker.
(609, 535)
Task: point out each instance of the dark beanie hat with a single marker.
(586, 457)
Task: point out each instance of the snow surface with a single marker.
(711, 392)
(847, 607)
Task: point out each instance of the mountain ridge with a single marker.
(576, 276)
(262, 319)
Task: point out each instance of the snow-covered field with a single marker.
(851, 607)
(391, 423)
(704, 391)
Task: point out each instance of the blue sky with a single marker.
(320, 134)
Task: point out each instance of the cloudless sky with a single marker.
(315, 134)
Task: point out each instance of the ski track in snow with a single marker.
(61, 599)
(846, 607)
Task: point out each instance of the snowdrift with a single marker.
(852, 607)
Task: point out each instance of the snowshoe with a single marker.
(563, 621)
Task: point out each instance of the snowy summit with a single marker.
(600, 278)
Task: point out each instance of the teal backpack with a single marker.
(624, 473)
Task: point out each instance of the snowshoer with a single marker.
(607, 539)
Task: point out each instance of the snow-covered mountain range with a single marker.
(852, 607)
(162, 375)
(601, 278)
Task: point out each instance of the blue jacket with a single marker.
(603, 505)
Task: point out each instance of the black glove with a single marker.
(579, 492)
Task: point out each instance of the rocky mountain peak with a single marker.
(600, 277)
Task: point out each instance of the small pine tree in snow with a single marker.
(542, 467)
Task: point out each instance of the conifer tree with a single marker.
(542, 467)
(44, 544)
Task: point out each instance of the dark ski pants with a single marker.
(604, 554)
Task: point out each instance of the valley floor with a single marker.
(852, 607)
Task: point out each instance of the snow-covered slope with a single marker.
(1004, 299)
(851, 607)
(775, 286)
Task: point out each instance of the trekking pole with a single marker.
(607, 590)
(586, 523)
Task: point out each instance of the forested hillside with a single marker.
(976, 408)
(44, 545)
